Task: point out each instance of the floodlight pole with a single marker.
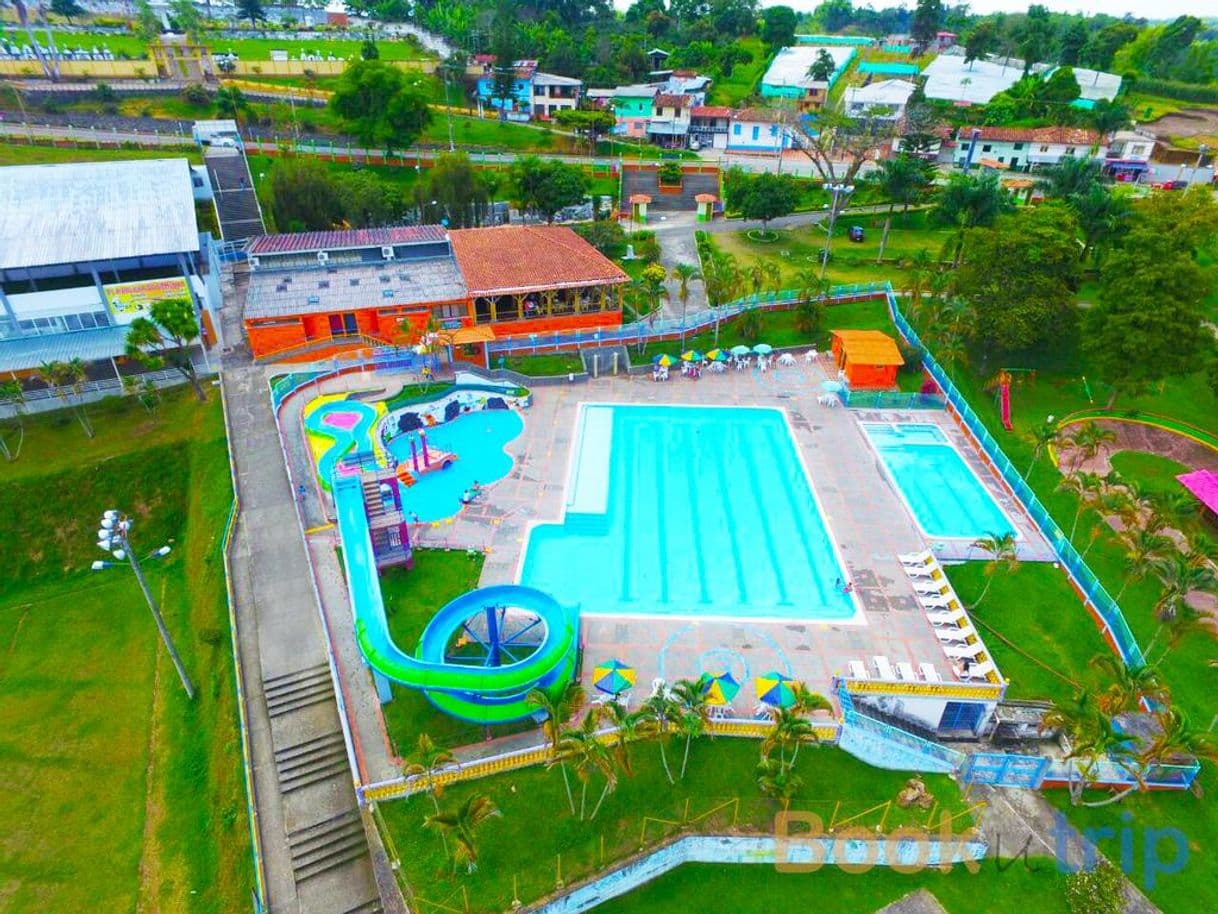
(114, 532)
(840, 192)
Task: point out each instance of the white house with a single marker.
(669, 124)
(949, 78)
(553, 93)
(788, 76)
(1129, 153)
(1023, 148)
(758, 130)
(884, 100)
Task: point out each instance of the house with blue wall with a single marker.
(534, 94)
(758, 130)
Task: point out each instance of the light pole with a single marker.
(112, 538)
(841, 193)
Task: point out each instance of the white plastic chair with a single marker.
(964, 652)
(858, 670)
(978, 670)
(929, 673)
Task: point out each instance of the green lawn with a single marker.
(17, 154)
(249, 49)
(799, 249)
(516, 856)
(411, 599)
(734, 89)
(1150, 471)
(760, 890)
(545, 365)
(107, 759)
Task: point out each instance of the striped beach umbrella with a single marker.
(721, 689)
(776, 690)
(613, 677)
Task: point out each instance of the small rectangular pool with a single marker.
(942, 493)
(701, 512)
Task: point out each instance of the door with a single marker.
(343, 324)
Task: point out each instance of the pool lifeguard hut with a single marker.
(868, 358)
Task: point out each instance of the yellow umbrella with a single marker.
(721, 689)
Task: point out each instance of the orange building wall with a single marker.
(871, 375)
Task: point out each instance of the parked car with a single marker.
(856, 233)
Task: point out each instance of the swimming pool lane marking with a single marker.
(695, 447)
(803, 504)
(627, 515)
(721, 472)
(767, 533)
(661, 453)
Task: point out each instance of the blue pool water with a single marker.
(945, 497)
(477, 439)
(689, 511)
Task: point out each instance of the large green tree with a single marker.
(903, 179)
(982, 40)
(769, 196)
(251, 10)
(926, 21)
(547, 186)
(1018, 279)
(382, 105)
(778, 29)
(167, 337)
(454, 190)
(1149, 324)
(970, 201)
(304, 196)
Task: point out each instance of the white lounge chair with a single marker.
(978, 670)
(858, 670)
(947, 618)
(883, 669)
(929, 673)
(964, 651)
(939, 603)
(932, 572)
(906, 671)
(949, 633)
(933, 588)
(916, 558)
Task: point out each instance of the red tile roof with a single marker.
(761, 116)
(663, 100)
(1074, 136)
(514, 258)
(295, 242)
(711, 111)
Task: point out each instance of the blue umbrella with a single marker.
(763, 349)
(740, 350)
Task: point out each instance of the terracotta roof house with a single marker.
(1026, 148)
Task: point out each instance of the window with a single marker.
(735, 130)
(962, 715)
(1017, 147)
(1044, 148)
(773, 130)
(1138, 150)
(987, 147)
(756, 132)
(448, 312)
(1070, 150)
(1000, 159)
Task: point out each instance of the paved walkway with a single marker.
(315, 853)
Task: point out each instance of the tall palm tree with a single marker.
(1126, 685)
(1043, 437)
(558, 710)
(1004, 557)
(67, 380)
(1202, 549)
(581, 747)
(918, 270)
(661, 710)
(12, 394)
(1083, 486)
(463, 824)
(1142, 549)
(426, 760)
(1179, 578)
(1093, 738)
(1177, 504)
(684, 274)
(776, 779)
(628, 727)
(1177, 737)
(1091, 440)
(694, 711)
(790, 730)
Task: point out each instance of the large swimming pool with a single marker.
(944, 496)
(688, 511)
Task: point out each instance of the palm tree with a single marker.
(918, 270)
(1004, 557)
(661, 710)
(1081, 485)
(951, 351)
(581, 747)
(776, 779)
(684, 274)
(1090, 440)
(1202, 549)
(1043, 437)
(694, 711)
(463, 824)
(1142, 550)
(1179, 578)
(13, 394)
(790, 729)
(426, 760)
(67, 381)
(1093, 738)
(558, 710)
(1178, 740)
(756, 274)
(628, 727)
(1127, 684)
(1177, 504)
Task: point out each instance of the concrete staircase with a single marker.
(237, 208)
(327, 845)
(295, 691)
(310, 762)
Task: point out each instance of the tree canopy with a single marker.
(547, 186)
(165, 337)
(381, 104)
(768, 196)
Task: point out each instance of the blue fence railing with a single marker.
(893, 399)
(911, 741)
(1106, 608)
(643, 331)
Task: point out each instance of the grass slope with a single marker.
(127, 795)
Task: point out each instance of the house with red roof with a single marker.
(313, 292)
(1026, 148)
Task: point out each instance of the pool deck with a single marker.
(866, 517)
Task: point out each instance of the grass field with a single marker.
(123, 794)
(540, 366)
(519, 859)
(17, 154)
(249, 49)
(734, 89)
(1150, 471)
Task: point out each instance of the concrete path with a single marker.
(314, 846)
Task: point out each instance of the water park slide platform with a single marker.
(479, 694)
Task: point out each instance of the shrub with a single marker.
(1095, 891)
(911, 354)
(809, 315)
(606, 235)
(670, 173)
(751, 325)
(195, 94)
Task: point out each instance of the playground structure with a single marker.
(1003, 381)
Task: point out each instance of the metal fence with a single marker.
(1107, 611)
(889, 399)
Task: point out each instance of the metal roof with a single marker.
(282, 293)
(294, 242)
(87, 211)
(24, 352)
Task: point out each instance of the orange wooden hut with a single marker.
(869, 358)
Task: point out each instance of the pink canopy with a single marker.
(1203, 484)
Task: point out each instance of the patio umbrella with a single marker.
(664, 361)
(613, 677)
(721, 689)
(763, 349)
(776, 690)
(740, 350)
(833, 387)
(691, 355)
(717, 355)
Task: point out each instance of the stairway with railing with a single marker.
(237, 208)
